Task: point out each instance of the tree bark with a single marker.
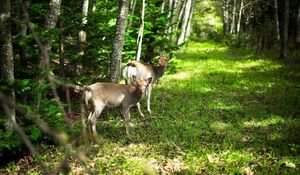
(188, 27)
(116, 56)
(50, 23)
(276, 19)
(225, 16)
(6, 55)
(184, 24)
(141, 32)
(284, 30)
(232, 27)
(240, 17)
(82, 33)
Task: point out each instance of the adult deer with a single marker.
(100, 95)
(144, 71)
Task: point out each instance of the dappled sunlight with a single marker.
(273, 120)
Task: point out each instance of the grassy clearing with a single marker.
(227, 111)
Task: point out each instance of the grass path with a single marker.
(227, 111)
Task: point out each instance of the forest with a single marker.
(150, 87)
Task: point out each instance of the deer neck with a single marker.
(160, 70)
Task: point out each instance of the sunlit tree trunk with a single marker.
(240, 17)
(225, 16)
(188, 27)
(50, 23)
(82, 33)
(284, 29)
(232, 27)
(276, 19)
(141, 32)
(6, 56)
(118, 42)
(184, 23)
(94, 5)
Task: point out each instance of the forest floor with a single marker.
(226, 111)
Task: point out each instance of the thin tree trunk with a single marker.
(225, 8)
(240, 17)
(188, 28)
(141, 32)
(284, 30)
(232, 28)
(131, 9)
(184, 24)
(61, 51)
(82, 33)
(298, 25)
(119, 41)
(94, 5)
(50, 23)
(276, 20)
(6, 56)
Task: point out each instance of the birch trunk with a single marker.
(119, 41)
(232, 28)
(50, 23)
(188, 28)
(141, 32)
(240, 17)
(184, 24)
(132, 9)
(82, 33)
(6, 56)
(284, 30)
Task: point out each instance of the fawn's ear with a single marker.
(149, 80)
(133, 77)
(170, 55)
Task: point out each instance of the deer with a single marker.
(144, 71)
(99, 95)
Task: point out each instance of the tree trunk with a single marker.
(94, 5)
(6, 56)
(276, 20)
(284, 30)
(298, 25)
(240, 17)
(184, 24)
(225, 16)
(82, 33)
(50, 23)
(188, 27)
(118, 42)
(131, 9)
(141, 32)
(232, 28)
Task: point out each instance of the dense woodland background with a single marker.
(47, 46)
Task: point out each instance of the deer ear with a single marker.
(149, 80)
(133, 77)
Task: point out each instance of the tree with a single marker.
(50, 23)
(185, 20)
(284, 29)
(141, 32)
(6, 55)
(116, 56)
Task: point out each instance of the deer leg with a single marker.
(138, 105)
(126, 114)
(93, 118)
(148, 96)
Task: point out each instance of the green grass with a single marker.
(227, 111)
